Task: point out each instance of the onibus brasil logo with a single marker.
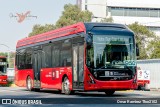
(20, 17)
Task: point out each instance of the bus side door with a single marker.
(77, 67)
(37, 67)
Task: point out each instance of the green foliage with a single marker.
(72, 14)
(11, 58)
(141, 32)
(154, 48)
(38, 29)
(142, 36)
(110, 19)
(3, 54)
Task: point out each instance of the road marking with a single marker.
(126, 91)
(9, 90)
(13, 85)
(3, 90)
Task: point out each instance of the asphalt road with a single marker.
(18, 92)
(87, 99)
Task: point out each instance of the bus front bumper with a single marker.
(111, 85)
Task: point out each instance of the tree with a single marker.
(72, 14)
(154, 48)
(11, 58)
(38, 29)
(110, 19)
(3, 54)
(143, 36)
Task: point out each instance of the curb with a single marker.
(125, 90)
(13, 85)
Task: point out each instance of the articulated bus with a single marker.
(80, 57)
(3, 70)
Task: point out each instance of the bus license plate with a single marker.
(119, 74)
(106, 73)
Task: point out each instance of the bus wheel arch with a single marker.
(29, 83)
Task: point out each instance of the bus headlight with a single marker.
(95, 74)
(92, 81)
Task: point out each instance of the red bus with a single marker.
(79, 57)
(3, 69)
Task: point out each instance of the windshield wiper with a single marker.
(102, 67)
(106, 66)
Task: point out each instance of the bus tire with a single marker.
(37, 90)
(109, 92)
(139, 87)
(29, 84)
(65, 86)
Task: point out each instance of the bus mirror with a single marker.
(90, 34)
(89, 40)
(137, 50)
(7, 65)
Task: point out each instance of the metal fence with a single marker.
(154, 66)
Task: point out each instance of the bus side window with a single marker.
(66, 53)
(28, 59)
(46, 56)
(56, 54)
(21, 59)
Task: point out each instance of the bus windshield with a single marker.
(111, 51)
(3, 66)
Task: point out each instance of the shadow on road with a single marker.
(89, 94)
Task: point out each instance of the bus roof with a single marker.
(2, 56)
(68, 30)
(64, 31)
(90, 26)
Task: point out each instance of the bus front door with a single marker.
(78, 71)
(37, 68)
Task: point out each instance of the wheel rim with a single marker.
(66, 85)
(29, 84)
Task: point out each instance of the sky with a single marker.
(47, 12)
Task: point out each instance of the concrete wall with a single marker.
(154, 66)
(99, 8)
(134, 3)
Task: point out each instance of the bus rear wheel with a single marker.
(65, 86)
(109, 92)
(29, 84)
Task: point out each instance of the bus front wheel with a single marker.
(29, 84)
(65, 86)
(109, 92)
